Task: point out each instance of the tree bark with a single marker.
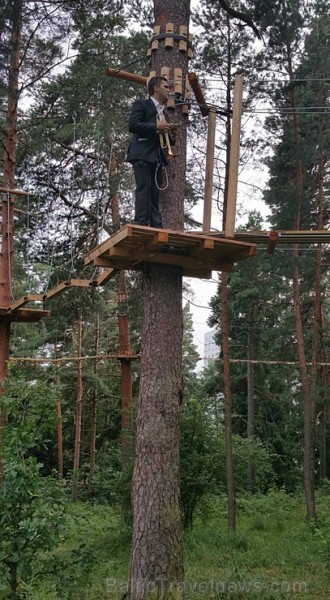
(124, 341)
(250, 431)
(9, 166)
(308, 462)
(230, 478)
(157, 561)
(59, 429)
(157, 557)
(231, 509)
(78, 415)
(92, 452)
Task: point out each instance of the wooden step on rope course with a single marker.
(17, 312)
(198, 255)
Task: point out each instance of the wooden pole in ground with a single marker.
(234, 157)
(209, 169)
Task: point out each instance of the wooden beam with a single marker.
(159, 238)
(55, 290)
(26, 315)
(234, 157)
(192, 77)
(13, 192)
(203, 245)
(25, 300)
(133, 77)
(78, 282)
(129, 261)
(209, 169)
(105, 276)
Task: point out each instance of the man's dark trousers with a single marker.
(146, 194)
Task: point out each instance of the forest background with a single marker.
(72, 140)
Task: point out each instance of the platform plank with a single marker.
(24, 315)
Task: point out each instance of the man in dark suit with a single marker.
(145, 151)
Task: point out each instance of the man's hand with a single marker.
(163, 126)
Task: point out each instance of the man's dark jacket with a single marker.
(145, 144)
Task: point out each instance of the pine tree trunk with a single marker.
(78, 415)
(308, 400)
(230, 478)
(126, 369)
(250, 405)
(124, 342)
(59, 431)
(157, 551)
(157, 556)
(317, 322)
(92, 452)
(13, 578)
(228, 406)
(308, 463)
(8, 180)
(324, 421)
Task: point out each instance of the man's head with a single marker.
(158, 88)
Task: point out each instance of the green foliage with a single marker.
(32, 509)
(203, 458)
(92, 562)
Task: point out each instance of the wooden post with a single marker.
(209, 168)
(234, 157)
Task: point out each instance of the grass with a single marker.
(274, 554)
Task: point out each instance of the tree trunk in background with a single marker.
(306, 388)
(231, 509)
(157, 556)
(59, 428)
(126, 369)
(124, 341)
(317, 341)
(324, 418)
(8, 181)
(77, 442)
(92, 451)
(250, 432)
(228, 406)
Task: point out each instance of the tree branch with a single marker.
(236, 14)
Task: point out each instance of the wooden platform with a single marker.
(17, 312)
(198, 255)
(24, 315)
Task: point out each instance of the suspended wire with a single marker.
(271, 80)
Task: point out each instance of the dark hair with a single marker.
(153, 82)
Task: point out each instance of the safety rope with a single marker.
(160, 166)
